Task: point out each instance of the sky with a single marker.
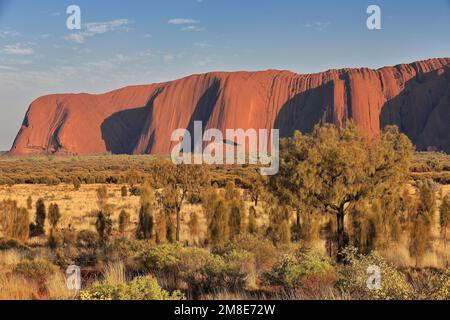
(130, 42)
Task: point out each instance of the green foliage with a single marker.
(263, 250)
(140, 288)
(36, 270)
(160, 258)
(332, 168)
(443, 291)
(354, 278)
(182, 182)
(292, 268)
(218, 274)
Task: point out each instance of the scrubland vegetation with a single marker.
(143, 228)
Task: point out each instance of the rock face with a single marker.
(141, 119)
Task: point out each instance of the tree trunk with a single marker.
(340, 234)
(178, 225)
(298, 220)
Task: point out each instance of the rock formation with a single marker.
(141, 119)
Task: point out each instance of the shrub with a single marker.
(29, 203)
(160, 258)
(55, 239)
(252, 226)
(8, 244)
(443, 292)
(37, 270)
(263, 250)
(354, 278)
(14, 220)
(87, 239)
(76, 184)
(140, 288)
(124, 191)
(38, 227)
(291, 269)
(124, 221)
(54, 215)
(218, 274)
(103, 226)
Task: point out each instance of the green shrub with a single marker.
(160, 258)
(291, 269)
(218, 274)
(263, 250)
(140, 288)
(36, 270)
(354, 277)
(443, 292)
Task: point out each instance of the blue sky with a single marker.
(144, 41)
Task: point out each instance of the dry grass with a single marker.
(57, 288)
(114, 273)
(77, 207)
(17, 288)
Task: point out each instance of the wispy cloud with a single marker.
(179, 21)
(192, 28)
(18, 49)
(8, 33)
(95, 28)
(203, 44)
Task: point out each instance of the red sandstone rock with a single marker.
(141, 119)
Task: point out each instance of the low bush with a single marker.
(38, 270)
(7, 244)
(140, 288)
(291, 269)
(354, 278)
(217, 275)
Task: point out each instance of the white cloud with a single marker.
(8, 33)
(192, 28)
(17, 49)
(94, 28)
(178, 21)
(202, 44)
